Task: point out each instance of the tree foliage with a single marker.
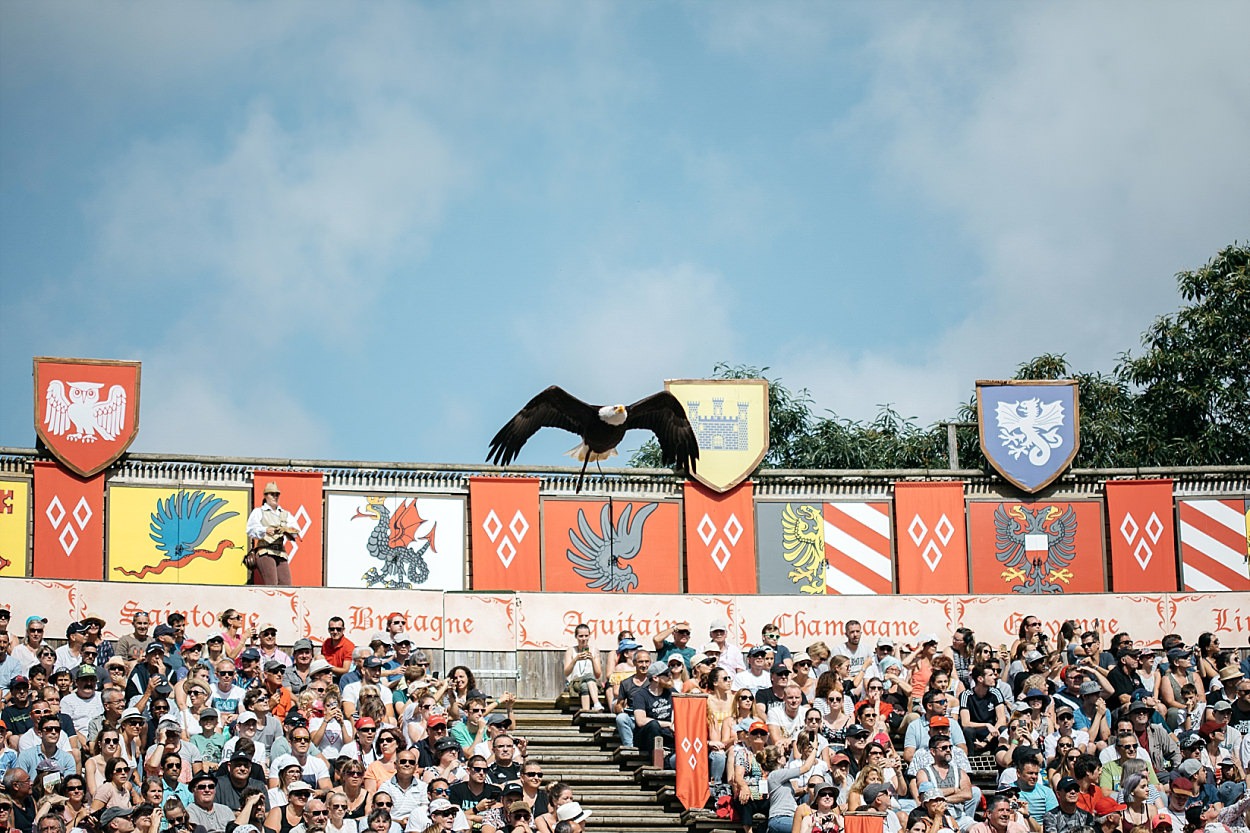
(1184, 401)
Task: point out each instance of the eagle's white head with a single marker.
(613, 414)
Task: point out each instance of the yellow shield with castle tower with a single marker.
(730, 420)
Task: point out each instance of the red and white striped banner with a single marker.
(857, 547)
(1213, 544)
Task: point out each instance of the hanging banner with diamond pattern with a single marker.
(932, 538)
(720, 540)
(69, 524)
(1143, 541)
(299, 494)
(504, 520)
(690, 741)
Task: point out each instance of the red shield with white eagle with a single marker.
(86, 410)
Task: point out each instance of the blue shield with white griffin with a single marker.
(1030, 431)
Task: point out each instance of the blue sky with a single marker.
(373, 231)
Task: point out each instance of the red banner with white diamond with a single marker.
(690, 741)
(932, 537)
(504, 513)
(1143, 548)
(69, 524)
(300, 493)
(720, 540)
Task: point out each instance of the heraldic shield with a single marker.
(1030, 430)
(730, 421)
(86, 410)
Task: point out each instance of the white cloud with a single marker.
(620, 333)
(190, 405)
(1085, 153)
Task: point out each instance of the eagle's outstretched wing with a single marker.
(56, 408)
(663, 414)
(553, 408)
(111, 413)
(1062, 547)
(589, 553)
(1008, 543)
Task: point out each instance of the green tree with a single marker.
(1194, 376)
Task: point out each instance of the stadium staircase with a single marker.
(621, 787)
(622, 790)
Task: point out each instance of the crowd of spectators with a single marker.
(1085, 732)
(226, 732)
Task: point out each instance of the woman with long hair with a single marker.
(336, 803)
(855, 795)
(746, 772)
(963, 647)
(558, 794)
(352, 783)
(840, 668)
(818, 652)
(821, 813)
(782, 801)
(1061, 765)
(117, 789)
(462, 682)
(214, 653)
(744, 706)
(232, 633)
(329, 729)
(369, 704)
(107, 747)
(386, 749)
(1207, 650)
(77, 803)
(282, 818)
(1138, 811)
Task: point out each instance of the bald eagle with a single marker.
(601, 428)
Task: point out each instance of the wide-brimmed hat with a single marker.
(572, 812)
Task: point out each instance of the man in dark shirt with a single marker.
(16, 715)
(1123, 678)
(505, 768)
(476, 795)
(779, 678)
(653, 708)
(1067, 816)
(982, 711)
(1239, 719)
(236, 779)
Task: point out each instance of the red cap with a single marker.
(938, 721)
(1104, 806)
(757, 726)
(436, 720)
(361, 722)
(1162, 818)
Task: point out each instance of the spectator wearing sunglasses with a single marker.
(204, 809)
(46, 755)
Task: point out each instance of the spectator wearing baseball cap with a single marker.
(730, 653)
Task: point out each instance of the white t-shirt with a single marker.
(789, 726)
(858, 657)
(749, 681)
(81, 711)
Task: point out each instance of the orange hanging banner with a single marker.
(1143, 536)
(505, 533)
(69, 524)
(931, 537)
(690, 736)
(720, 540)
